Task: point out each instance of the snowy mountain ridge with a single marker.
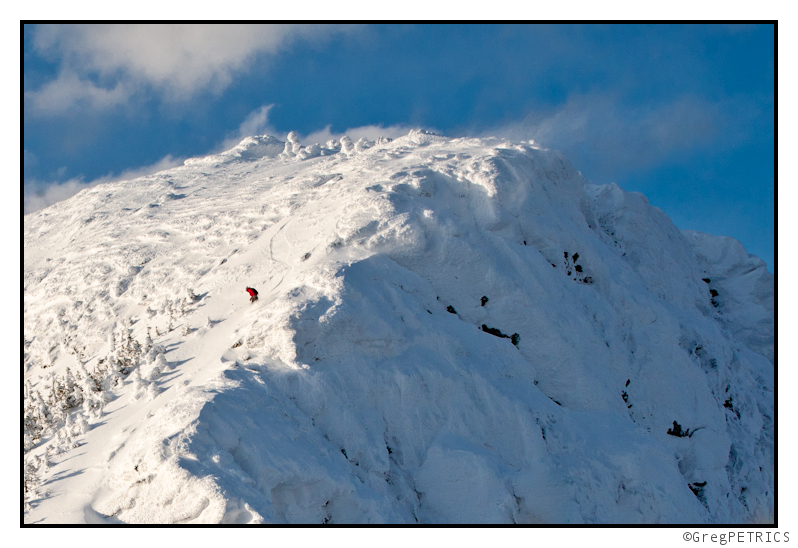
(448, 331)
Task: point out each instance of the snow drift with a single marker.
(448, 331)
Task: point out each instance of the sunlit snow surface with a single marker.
(361, 386)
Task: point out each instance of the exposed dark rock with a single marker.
(496, 333)
(677, 431)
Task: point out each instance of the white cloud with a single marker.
(58, 191)
(256, 123)
(616, 136)
(69, 90)
(176, 60)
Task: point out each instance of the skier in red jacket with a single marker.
(253, 294)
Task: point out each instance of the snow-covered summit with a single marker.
(448, 331)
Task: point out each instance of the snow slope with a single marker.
(448, 331)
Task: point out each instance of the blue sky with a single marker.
(681, 113)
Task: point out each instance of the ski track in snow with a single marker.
(361, 387)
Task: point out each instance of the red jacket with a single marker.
(252, 292)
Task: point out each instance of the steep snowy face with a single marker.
(447, 331)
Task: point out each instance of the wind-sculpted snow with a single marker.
(447, 331)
